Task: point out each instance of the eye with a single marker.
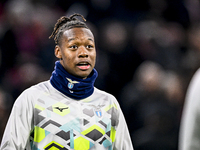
(73, 47)
(89, 46)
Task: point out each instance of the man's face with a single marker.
(77, 50)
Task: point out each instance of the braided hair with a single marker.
(66, 23)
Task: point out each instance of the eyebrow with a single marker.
(71, 39)
(91, 39)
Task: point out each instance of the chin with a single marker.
(82, 75)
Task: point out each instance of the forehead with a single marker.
(78, 33)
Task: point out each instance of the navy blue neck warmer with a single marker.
(71, 86)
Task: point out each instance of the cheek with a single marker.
(93, 55)
(93, 58)
(68, 56)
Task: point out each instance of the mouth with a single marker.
(83, 65)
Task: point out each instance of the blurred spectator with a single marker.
(191, 59)
(144, 87)
(151, 103)
(23, 76)
(160, 41)
(122, 58)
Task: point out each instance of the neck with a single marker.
(71, 86)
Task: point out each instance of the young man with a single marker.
(68, 112)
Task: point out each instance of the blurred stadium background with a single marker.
(147, 52)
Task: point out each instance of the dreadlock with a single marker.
(66, 23)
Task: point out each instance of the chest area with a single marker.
(71, 121)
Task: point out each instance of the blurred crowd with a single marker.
(147, 52)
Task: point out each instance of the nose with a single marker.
(82, 52)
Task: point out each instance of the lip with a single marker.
(83, 65)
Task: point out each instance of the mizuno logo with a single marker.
(61, 109)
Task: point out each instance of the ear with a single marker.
(58, 52)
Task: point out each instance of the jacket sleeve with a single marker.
(122, 137)
(19, 125)
(190, 123)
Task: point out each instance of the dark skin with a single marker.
(77, 52)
